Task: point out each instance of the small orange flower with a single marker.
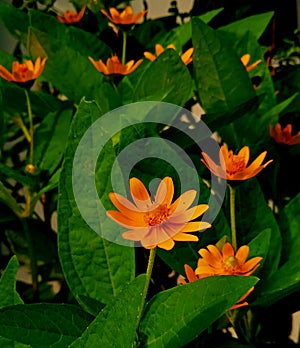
(227, 262)
(186, 57)
(23, 72)
(192, 276)
(159, 222)
(70, 17)
(245, 59)
(234, 167)
(125, 17)
(284, 135)
(114, 66)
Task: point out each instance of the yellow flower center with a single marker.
(231, 264)
(157, 216)
(235, 164)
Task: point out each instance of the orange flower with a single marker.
(125, 17)
(192, 276)
(70, 17)
(227, 262)
(113, 66)
(284, 135)
(245, 59)
(186, 57)
(159, 222)
(234, 167)
(23, 72)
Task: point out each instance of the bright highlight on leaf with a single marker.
(70, 17)
(114, 66)
(284, 135)
(158, 222)
(23, 72)
(186, 57)
(125, 17)
(234, 167)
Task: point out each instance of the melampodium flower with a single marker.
(192, 276)
(125, 17)
(70, 17)
(234, 167)
(25, 72)
(284, 135)
(227, 262)
(114, 66)
(245, 59)
(157, 222)
(186, 57)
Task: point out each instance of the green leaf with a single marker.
(221, 79)
(14, 174)
(8, 292)
(166, 79)
(116, 324)
(253, 216)
(256, 24)
(15, 20)
(93, 266)
(8, 200)
(176, 316)
(50, 139)
(67, 69)
(43, 325)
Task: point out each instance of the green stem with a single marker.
(232, 216)
(30, 126)
(18, 121)
(33, 261)
(148, 278)
(124, 47)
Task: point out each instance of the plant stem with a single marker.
(33, 261)
(148, 278)
(124, 47)
(30, 126)
(18, 121)
(232, 216)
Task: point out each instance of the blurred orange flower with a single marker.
(227, 262)
(245, 59)
(125, 17)
(284, 135)
(114, 66)
(159, 222)
(186, 57)
(234, 167)
(23, 72)
(70, 17)
(192, 276)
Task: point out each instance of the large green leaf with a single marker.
(116, 324)
(287, 279)
(93, 266)
(8, 293)
(256, 24)
(176, 316)
(50, 139)
(43, 325)
(221, 80)
(165, 79)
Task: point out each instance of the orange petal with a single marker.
(139, 194)
(149, 56)
(195, 226)
(184, 237)
(245, 154)
(190, 274)
(227, 251)
(165, 191)
(242, 254)
(125, 221)
(167, 245)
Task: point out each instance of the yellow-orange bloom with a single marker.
(70, 17)
(186, 57)
(245, 59)
(228, 262)
(23, 72)
(114, 66)
(284, 135)
(125, 17)
(234, 167)
(159, 222)
(192, 276)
